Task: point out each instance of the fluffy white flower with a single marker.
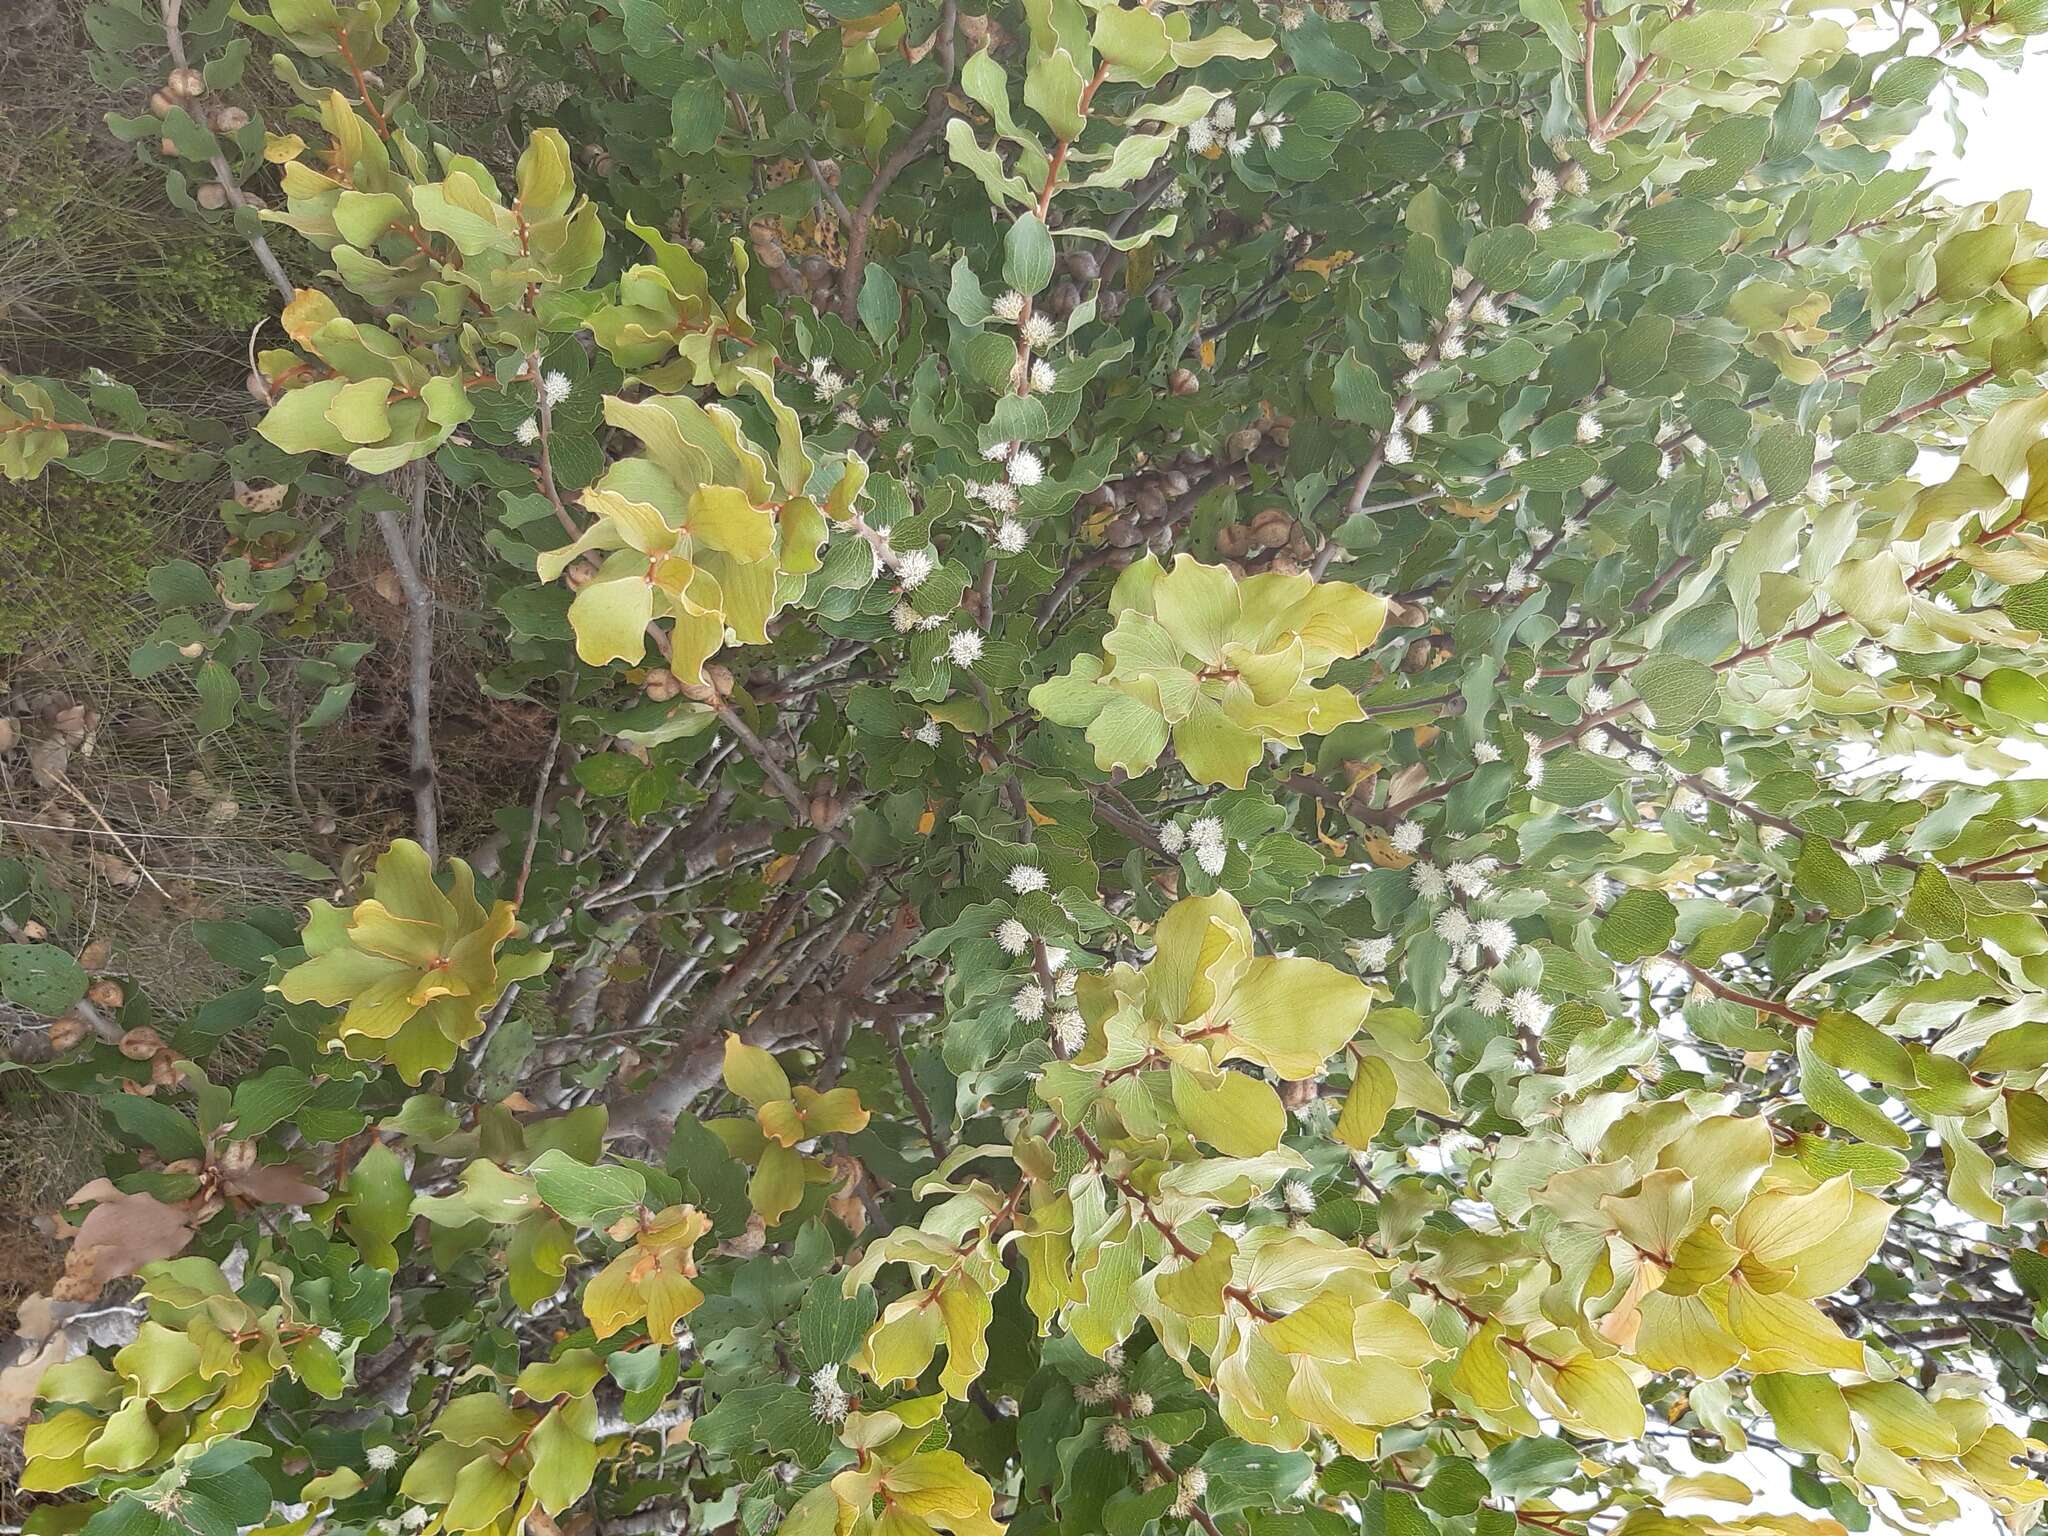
(1527, 1010)
(1450, 349)
(1488, 999)
(964, 647)
(555, 386)
(1485, 752)
(1371, 954)
(1397, 449)
(1496, 936)
(1068, 1030)
(529, 430)
(1407, 837)
(1576, 181)
(1026, 878)
(1539, 220)
(1238, 144)
(1533, 774)
(1600, 890)
(999, 452)
(1543, 185)
(903, 618)
(1102, 1389)
(1116, 1438)
(1453, 926)
(830, 381)
(1011, 536)
(1598, 697)
(1874, 854)
(1012, 937)
(1667, 465)
(1298, 1197)
(1141, 1404)
(1422, 419)
(829, 1401)
(1188, 1496)
(1486, 310)
(1029, 1003)
(1223, 116)
(1026, 467)
(1770, 836)
(1510, 456)
(914, 568)
(1173, 195)
(1043, 375)
(415, 1516)
(999, 496)
(1469, 876)
(1008, 306)
(1415, 351)
(1055, 957)
(1270, 134)
(1643, 762)
(1039, 332)
(1588, 429)
(929, 733)
(380, 1458)
(1210, 857)
(1871, 660)
(1430, 883)
(1173, 838)
(1204, 830)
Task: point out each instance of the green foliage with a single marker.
(1266, 879)
(72, 549)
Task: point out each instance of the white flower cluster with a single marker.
(829, 1402)
(555, 387)
(1205, 835)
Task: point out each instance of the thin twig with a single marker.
(419, 624)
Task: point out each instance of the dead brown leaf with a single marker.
(118, 1236)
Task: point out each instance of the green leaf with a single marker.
(1639, 924)
(1828, 1096)
(1679, 690)
(586, 1196)
(1934, 907)
(1821, 874)
(41, 978)
(880, 303)
(1027, 255)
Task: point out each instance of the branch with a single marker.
(266, 258)
(937, 110)
(419, 634)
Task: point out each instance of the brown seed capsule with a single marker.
(661, 685)
(34, 930)
(141, 1043)
(1150, 502)
(827, 809)
(1233, 542)
(1124, 533)
(212, 197)
(1086, 266)
(94, 956)
(816, 268)
(1064, 297)
(578, 576)
(169, 147)
(230, 119)
(1271, 528)
(106, 993)
(1174, 483)
(1183, 382)
(185, 81)
(1417, 657)
(161, 102)
(1239, 444)
(66, 1032)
